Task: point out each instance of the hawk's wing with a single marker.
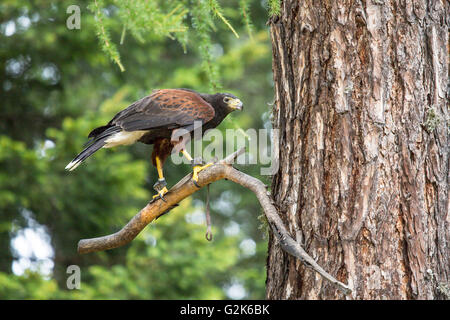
(163, 109)
(167, 108)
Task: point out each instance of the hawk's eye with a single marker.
(226, 99)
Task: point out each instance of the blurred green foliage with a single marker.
(56, 85)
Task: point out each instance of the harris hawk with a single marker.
(165, 119)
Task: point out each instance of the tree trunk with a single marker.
(361, 104)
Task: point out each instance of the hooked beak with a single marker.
(235, 104)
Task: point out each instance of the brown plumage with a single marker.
(161, 148)
(165, 119)
(163, 109)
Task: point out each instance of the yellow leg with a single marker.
(186, 154)
(160, 186)
(197, 168)
(159, 168)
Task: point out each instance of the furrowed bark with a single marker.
(361, 104)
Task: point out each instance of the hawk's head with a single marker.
(227, 102)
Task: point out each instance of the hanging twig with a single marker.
(184, 188)
(208, 234)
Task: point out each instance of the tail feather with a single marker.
(103, 132)
(98, 140)
(94, 133)
(87, 152)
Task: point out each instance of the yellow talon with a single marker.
(161, 193)
(197, 169)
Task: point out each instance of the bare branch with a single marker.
(184, 188)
